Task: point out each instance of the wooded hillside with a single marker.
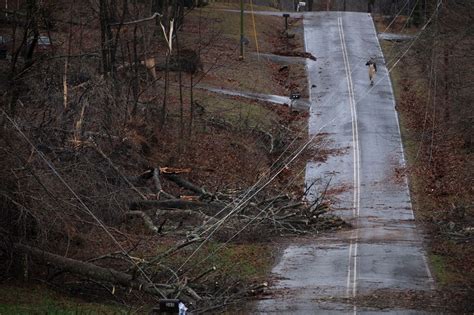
(124, 177)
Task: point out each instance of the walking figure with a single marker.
(372, 70)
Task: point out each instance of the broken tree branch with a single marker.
(206, 218)
(208, 271)
(174, 249)
(186, 184)
(98, 149)
(159, 188)
(154, 16)
(146, 219)
(173, 204)
(271, 139)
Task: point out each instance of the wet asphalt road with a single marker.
(384, 249)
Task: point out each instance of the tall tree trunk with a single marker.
(103, 37)
(191, 106)
(417, 13)
(26, 50)
(446, 85)
(107, 46)
(165, 92)
(159, 6)
(136, 78)
(181, 103)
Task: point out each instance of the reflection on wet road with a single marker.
(384, 249)
(299, 104)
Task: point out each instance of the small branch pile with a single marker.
(281, 214)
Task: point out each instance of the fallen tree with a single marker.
(187, 185)
(285, 214)
(185, 224)
(92, 271)
(172, 204)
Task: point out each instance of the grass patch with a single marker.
(220, 33)
(440, 267)
(241, 114)
(389, 52)
(228, 23)
(38, 299)
(58, 310)
(247, 262)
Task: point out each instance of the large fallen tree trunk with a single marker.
(173, 204)
(197, 214)
(92, 271)
(186, 184)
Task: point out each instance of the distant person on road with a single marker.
(301, 4)
(372, 70)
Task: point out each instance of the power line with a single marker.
(396, 16)
(240, 205)
(237, 207)
(400, 57)
(68, 187)
(298, 152)
(294, 177)
(287, 161)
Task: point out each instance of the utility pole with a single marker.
(241, 57)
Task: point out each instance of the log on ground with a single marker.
(90, 271)
(173, 204)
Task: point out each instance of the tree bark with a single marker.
(172, 204)
(202, 216)
(107, 47)
(186, 184)
(88, 270)
(159, 189)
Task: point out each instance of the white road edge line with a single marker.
(356, 156)
(403, 160)
(354, 279)
(348, 283)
